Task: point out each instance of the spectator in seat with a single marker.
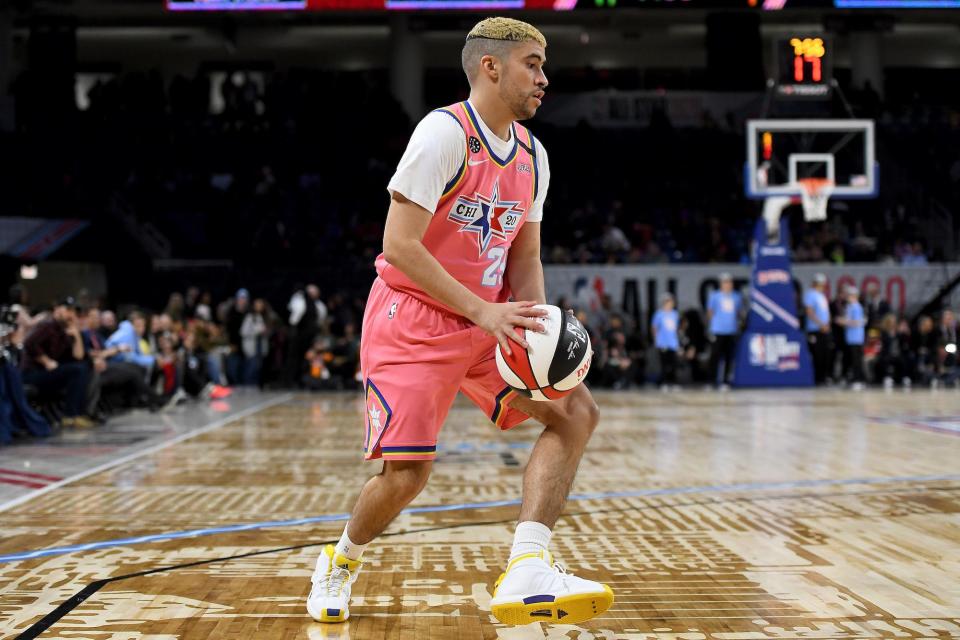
(346, 357)
(873, 305)
(125, 379)
(948, 345)
(236, 312)
(892, 362)
(108, 324)
(54, 362)
(130, 334)
(255, 338)
(316, 374)
(925, 346)
(196, 379)
(618, 366)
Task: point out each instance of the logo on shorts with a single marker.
(378, 417)
(393, 310)
(375, 414)
(474, 145)
(486, 216)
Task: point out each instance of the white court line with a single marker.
(157, 447)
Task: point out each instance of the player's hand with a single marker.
(499, 320)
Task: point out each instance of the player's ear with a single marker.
(490, 66)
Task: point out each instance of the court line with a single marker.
(78, 598)
(469, 506)
(153, 449)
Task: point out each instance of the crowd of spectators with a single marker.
(80, 361)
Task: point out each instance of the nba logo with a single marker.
(393, 311)
(758, 351)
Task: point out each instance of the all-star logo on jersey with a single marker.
(486, 216)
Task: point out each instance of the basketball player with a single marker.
(462, 238)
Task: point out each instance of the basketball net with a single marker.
(814, 195)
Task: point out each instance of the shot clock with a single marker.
(804, 67)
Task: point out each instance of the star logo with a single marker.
(375, 414)
(488, 217)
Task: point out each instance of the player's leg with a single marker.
(411, 377)
(533, 588)
(382, 498)
(568, 425)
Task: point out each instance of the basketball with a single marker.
(556, 362)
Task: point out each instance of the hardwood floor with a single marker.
(737, 516)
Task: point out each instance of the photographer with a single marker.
(53, 361)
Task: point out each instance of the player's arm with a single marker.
(403, 248)
(524, 269)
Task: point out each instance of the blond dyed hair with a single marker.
(495, 37)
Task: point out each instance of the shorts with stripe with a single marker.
(415, 358)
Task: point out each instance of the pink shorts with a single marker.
(414, 358)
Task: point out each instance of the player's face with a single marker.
(524, 82)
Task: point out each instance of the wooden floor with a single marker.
(737, 516)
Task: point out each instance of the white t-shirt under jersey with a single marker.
(435, 153)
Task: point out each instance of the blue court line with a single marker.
(271, 524)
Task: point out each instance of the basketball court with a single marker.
(742, 515)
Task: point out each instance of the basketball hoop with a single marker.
(814, 195)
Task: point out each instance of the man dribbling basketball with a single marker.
(462, 237)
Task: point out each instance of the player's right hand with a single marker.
(499, 320)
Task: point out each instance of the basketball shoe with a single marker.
(329, 599)
(535, 589)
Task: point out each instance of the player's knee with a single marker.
(408, 476)
(586, 414)
(580, 417)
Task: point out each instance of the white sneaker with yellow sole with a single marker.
(535, 589)
(329, 599)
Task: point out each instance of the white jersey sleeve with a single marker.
(434, 154)
(543, 183)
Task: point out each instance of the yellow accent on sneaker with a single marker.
(564, 610)
(543, 555)
(340, 611)
(571, 609)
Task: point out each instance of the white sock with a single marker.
(348, 548)
(531, 537)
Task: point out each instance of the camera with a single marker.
(8, 324)
(8, 318)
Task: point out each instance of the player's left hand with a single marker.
(499, 320)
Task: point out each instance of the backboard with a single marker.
(781, 153)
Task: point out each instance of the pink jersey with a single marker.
(480, 212)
